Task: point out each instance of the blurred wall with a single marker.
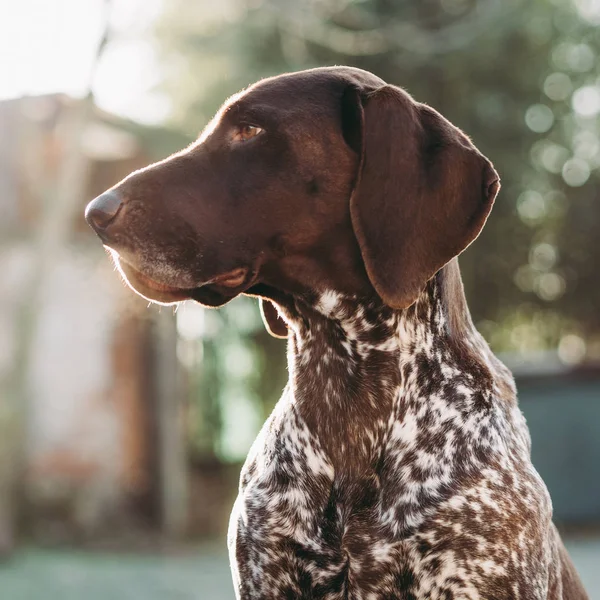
(84, 458)
(563, 412)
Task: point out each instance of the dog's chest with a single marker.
(312, 524)
(354, 484)
(302, 530)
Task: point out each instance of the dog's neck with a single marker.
(350, 360)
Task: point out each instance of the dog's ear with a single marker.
(274, 324)
(422, 194)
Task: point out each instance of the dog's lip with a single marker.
(147, 287)
(231, 279)
(155, 285)
(163, 293)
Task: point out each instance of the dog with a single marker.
(397, 463)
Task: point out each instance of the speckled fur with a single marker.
(395, 466)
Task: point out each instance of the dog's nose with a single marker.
(102, 210)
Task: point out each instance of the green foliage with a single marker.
(236, 372)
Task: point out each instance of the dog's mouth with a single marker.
(215, 292)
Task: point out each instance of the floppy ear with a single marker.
(423, 191)
(273, 322)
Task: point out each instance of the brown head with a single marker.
(327, 179)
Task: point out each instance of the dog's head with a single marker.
(327, 179)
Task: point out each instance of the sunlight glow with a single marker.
(48, 47)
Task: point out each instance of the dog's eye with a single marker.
(246, 132)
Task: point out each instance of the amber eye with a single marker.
(246, 132)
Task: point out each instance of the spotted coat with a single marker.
(395, 466)
(397, 463)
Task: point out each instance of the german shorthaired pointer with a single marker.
(397, 463)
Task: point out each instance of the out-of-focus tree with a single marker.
(521, 78)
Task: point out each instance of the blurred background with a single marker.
(123, 426)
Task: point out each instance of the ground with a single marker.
(198, 575)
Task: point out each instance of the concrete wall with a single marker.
(563, 414)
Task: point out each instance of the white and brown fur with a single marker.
(396, 465)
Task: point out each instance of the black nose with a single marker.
(102, 210)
